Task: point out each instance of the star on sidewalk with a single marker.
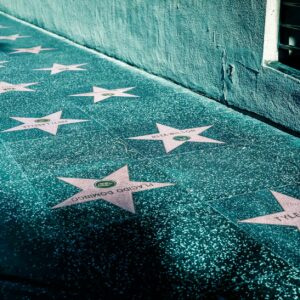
(33, 50)
(2, 62)
(21, 87)
(115, 188)
(13, 37)
(47, 123)
(290, 216)
(101, 94)
(173, 137)
(58, 68)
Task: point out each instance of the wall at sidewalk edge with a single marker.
(212, 47)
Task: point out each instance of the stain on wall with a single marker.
(210, 46)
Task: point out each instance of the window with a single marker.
(289, 33)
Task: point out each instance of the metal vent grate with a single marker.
(289, 33)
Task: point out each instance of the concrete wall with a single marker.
(211, 46)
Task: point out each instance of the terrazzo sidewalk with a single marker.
(119, 185)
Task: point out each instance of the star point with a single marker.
(49, 123)
(289, 216)
(101, 94)
(116, 188)
(3, 62)
(58, 68)
(173, 137)
(6, 87)
(33, 50)
(13, 37)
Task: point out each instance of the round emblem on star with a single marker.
(181, 138)
(42, 121)
(104, 184)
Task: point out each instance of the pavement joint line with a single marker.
(24, 173)
(250, 235)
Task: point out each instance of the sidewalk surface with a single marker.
(118, 184)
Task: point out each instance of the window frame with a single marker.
(271, 40)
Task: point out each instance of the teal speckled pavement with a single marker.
(119, 185)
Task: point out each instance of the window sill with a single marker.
(284, 70)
